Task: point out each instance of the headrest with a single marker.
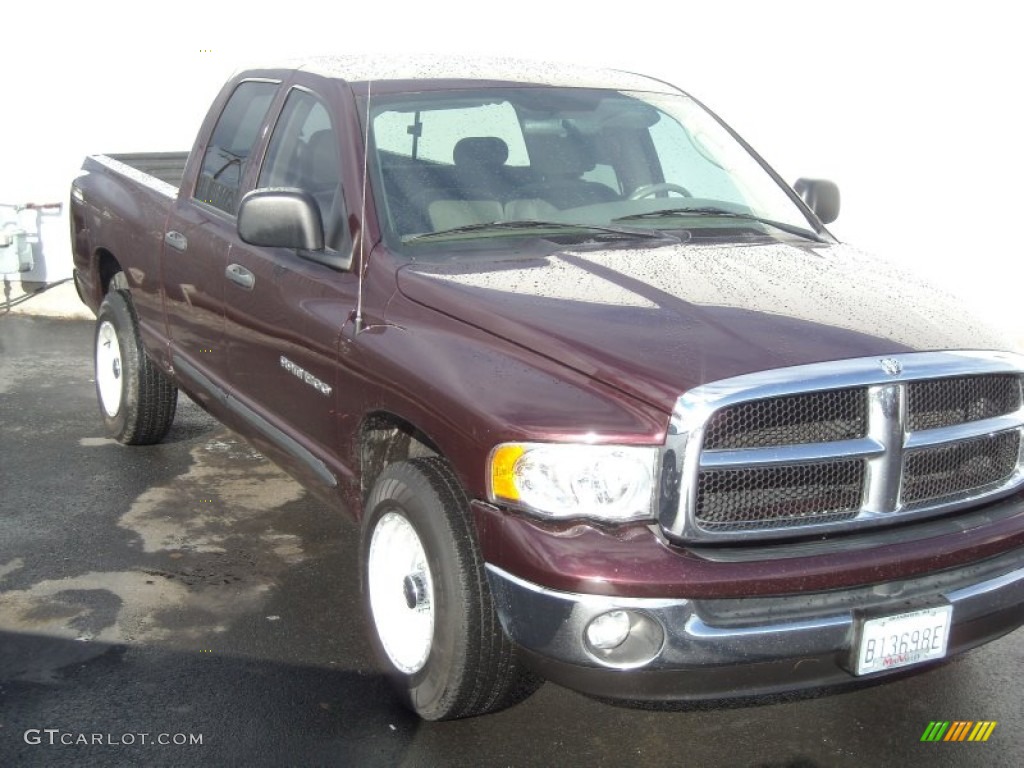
(560, 156)
(322, 159)
(480, 150)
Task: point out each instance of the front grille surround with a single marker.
(923, 434)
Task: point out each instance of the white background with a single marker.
(911, 107)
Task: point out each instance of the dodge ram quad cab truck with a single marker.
(609, 403)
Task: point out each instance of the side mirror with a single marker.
(821, 196)
(281, 217)
(287, 217)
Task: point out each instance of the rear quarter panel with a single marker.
(121, 214)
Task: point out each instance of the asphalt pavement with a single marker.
(188, 603)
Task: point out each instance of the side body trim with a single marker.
(268, 430)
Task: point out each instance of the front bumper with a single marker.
(725, 648)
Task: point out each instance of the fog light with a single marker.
(609, 630)
(623, 638)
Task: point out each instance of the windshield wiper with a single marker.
(528, 224)
(722, 212)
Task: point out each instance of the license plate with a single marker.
(890, 642)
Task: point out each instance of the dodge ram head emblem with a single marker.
(891, 366)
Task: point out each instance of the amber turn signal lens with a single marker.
(503, 464)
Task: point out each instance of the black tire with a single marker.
(137, 401)
(472, 668)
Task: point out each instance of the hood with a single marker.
(657, 322)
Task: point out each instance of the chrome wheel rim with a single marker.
(108, 368)
(401, 592)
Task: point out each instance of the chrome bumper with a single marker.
(699, 657)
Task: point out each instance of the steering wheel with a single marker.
(652, 189)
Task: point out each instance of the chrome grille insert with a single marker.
(779, 497)
(815, 417)
(845, 444)
(946, 471)
(945, 402)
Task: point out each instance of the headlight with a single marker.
(560, 480)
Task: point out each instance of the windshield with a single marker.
(445, 164)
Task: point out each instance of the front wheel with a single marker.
(137, 401)
(434, 623)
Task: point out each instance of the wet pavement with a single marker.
(190, 591)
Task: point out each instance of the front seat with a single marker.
(480, 168)
(559, 163)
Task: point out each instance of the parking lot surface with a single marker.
(191, 592)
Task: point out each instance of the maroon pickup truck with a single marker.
(611, 405)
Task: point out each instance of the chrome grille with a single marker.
(815, 417)
(845, 444)
(945, 402)
(778, 497)
(950, 470)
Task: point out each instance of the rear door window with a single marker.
(227, 156)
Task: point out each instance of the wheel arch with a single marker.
(386, 438)
(107, 267)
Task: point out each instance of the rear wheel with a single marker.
(137, 401)
(434, 623)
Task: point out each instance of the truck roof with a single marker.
(444, 69)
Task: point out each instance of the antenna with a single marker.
(362, 214)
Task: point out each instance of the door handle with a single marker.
(239, 275)
(176, 240)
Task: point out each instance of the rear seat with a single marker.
(448, 214)
(478, 188)
(532, 209)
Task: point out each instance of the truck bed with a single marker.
(169, 167)
(126, 200)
